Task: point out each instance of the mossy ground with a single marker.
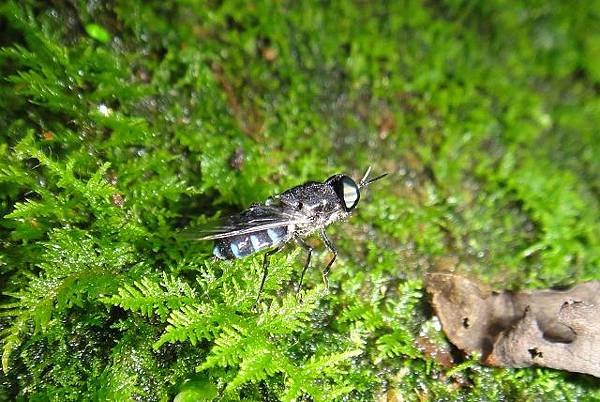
(124, 122)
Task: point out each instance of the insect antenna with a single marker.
(364, 182)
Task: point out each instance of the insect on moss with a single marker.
(292, 215)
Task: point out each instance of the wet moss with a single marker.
(124, 122)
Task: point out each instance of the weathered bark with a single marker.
(549, 328)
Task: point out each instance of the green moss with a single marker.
(122, 123)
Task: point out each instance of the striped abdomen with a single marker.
(243, 245)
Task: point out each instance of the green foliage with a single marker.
(149, 297)
(97, 32)
(124, 122)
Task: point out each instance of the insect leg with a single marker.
(331, 248)
(309, 250)
(266, 258)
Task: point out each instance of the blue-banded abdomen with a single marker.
(243, 245)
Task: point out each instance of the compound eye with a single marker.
(348, 191)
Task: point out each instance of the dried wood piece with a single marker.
(549, 328)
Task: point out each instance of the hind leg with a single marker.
(266, 259)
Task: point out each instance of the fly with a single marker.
(292, 215)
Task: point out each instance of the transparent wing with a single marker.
(254, 219)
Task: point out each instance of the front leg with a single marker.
(333, 250)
